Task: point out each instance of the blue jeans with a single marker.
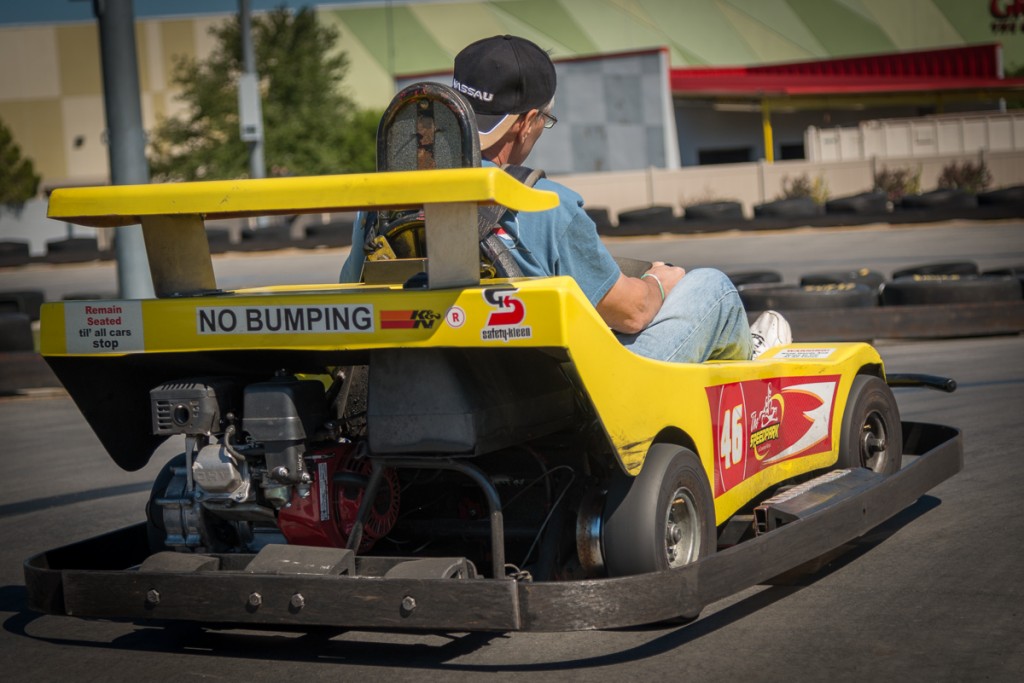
(702, 318)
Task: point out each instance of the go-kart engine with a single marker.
(245, 456)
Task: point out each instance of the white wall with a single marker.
(921, 137)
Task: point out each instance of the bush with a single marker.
(967, 176)
(802, 186)
(898, 182)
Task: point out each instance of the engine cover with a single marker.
(192, 406)
(326, 515)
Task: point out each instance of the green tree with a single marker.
(19, 181)
(310, 126)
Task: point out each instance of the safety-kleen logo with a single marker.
(505, 323)
(762, 422)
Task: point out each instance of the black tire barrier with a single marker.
(1006, 195)
(865, 202)
(947, 268)
(714, 211)
(798, 207)
(946, 199)
(754, 277)
(790, 297)
(950, 289)
(25, 301)
(861, 276)
(652, 215)
(600, 217)
(16, 332)
(14, 253)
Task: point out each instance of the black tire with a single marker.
(945, 268)
(72, 250)
(798, 207)
(14, 253)
(793, 297)
(90, 296)
(269, 238)
(1002, 197)
(27, 301)
(872, 435)
(1012, 271)
(600, 217)
(219, 240)
(16, 332)
(652, 215)
(335, 234)
(927, 290)
(754, 277)
(864, 203)
(714, 211)
(636, 527)
(862, 276)
(945, 199)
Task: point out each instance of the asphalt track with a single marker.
(935, 594)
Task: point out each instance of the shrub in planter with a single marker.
(969, 176)
(898, 182)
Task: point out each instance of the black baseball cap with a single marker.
(503, 77)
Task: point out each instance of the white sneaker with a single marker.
(768, 331)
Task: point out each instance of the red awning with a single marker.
(955, 69)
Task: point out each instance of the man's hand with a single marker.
(668, 275)
(631, 304)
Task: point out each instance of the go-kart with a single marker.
(433, 449)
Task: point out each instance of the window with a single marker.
(734, 155)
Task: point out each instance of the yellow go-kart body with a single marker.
(752, 423)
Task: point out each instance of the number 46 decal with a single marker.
(732, 443)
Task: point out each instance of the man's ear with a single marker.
(525, 123)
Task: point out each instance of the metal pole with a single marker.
(766, 128)
(126, 140)
(250, 100)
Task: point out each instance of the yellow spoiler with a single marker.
(180, 258)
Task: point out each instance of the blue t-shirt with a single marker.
(559, 241)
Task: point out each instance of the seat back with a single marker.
(427, 126)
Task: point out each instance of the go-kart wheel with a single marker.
(662, 518)
(872, 435)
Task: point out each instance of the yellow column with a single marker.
(766, 127)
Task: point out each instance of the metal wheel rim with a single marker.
(873, 442)
(682, 529)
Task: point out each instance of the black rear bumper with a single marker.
(100, 577)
